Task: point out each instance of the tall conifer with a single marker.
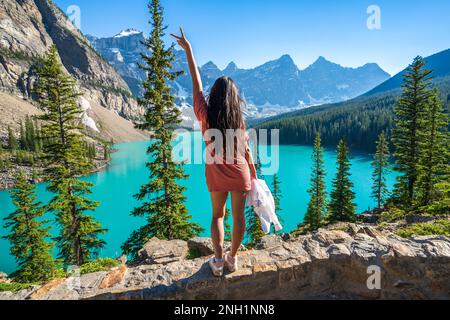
(12, 141)
(28, 235)
(410, 125)
(318, 204)
(342, 207)
(163, 201)
(254, 228)
(381, 169)
(433, 152)
(65, 157)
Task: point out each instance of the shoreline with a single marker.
(7, 176)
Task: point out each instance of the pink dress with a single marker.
(222, 177)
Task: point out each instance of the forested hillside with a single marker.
(358, 121)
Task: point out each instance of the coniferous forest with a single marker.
(358, 121)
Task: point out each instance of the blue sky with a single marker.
(251, 32)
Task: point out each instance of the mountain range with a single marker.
(272, 88)
(359, 120)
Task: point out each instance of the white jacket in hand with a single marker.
(261, 199)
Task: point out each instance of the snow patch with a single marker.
(117, 54)
(85, 119)
(127, 33)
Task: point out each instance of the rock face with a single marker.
(28, 28)
(329, 264)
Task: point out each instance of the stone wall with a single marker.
(329, 264)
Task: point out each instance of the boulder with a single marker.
(203, 247)
(269, 242)
(163, 252)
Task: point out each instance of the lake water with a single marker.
(114, 189)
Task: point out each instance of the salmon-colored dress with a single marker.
(222, 176)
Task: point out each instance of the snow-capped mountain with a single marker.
(275, 87)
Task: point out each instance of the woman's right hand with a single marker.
(182, 41)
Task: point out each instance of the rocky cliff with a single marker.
(334, 263)
(28, 28)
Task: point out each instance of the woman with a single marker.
(222, 113)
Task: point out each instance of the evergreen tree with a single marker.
(106, 155)
(318, 204)
(227, 225)
(342, 207)
(410, 124)
(433, 152)
(12, 141)
(276, 192)
(38, 141)
(254, 228)
(22, 138)
(28, 235)
(30, 135)
(381, 169)
(164, 203)
(65, 159)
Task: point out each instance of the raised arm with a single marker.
(195, 73)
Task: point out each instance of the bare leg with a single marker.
(238, 205)
(218, 200)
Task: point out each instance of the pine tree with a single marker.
(164, 203)
(12, 141)
(30, 135)
(22, 138)
(276, 192)
(28, 235)
(342, 207)
(381, 169)
(106, 155)
(254, 228)
(410, 124)
(227, 225)
(38, 141)
(433, 152)
(318, 204)
(65, 159)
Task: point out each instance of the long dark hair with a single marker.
(225, 106)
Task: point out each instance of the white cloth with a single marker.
(261, 198)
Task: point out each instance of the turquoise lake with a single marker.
(114, 189)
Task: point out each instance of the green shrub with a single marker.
(392, 215)
(439, 227)
(14, 287)
(101, 264)
(301, 230)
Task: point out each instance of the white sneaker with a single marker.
(216, 267)
(231, 263)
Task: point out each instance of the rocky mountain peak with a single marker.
(230, 69)
(323, 63)
(210, 66)
(128, 33)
